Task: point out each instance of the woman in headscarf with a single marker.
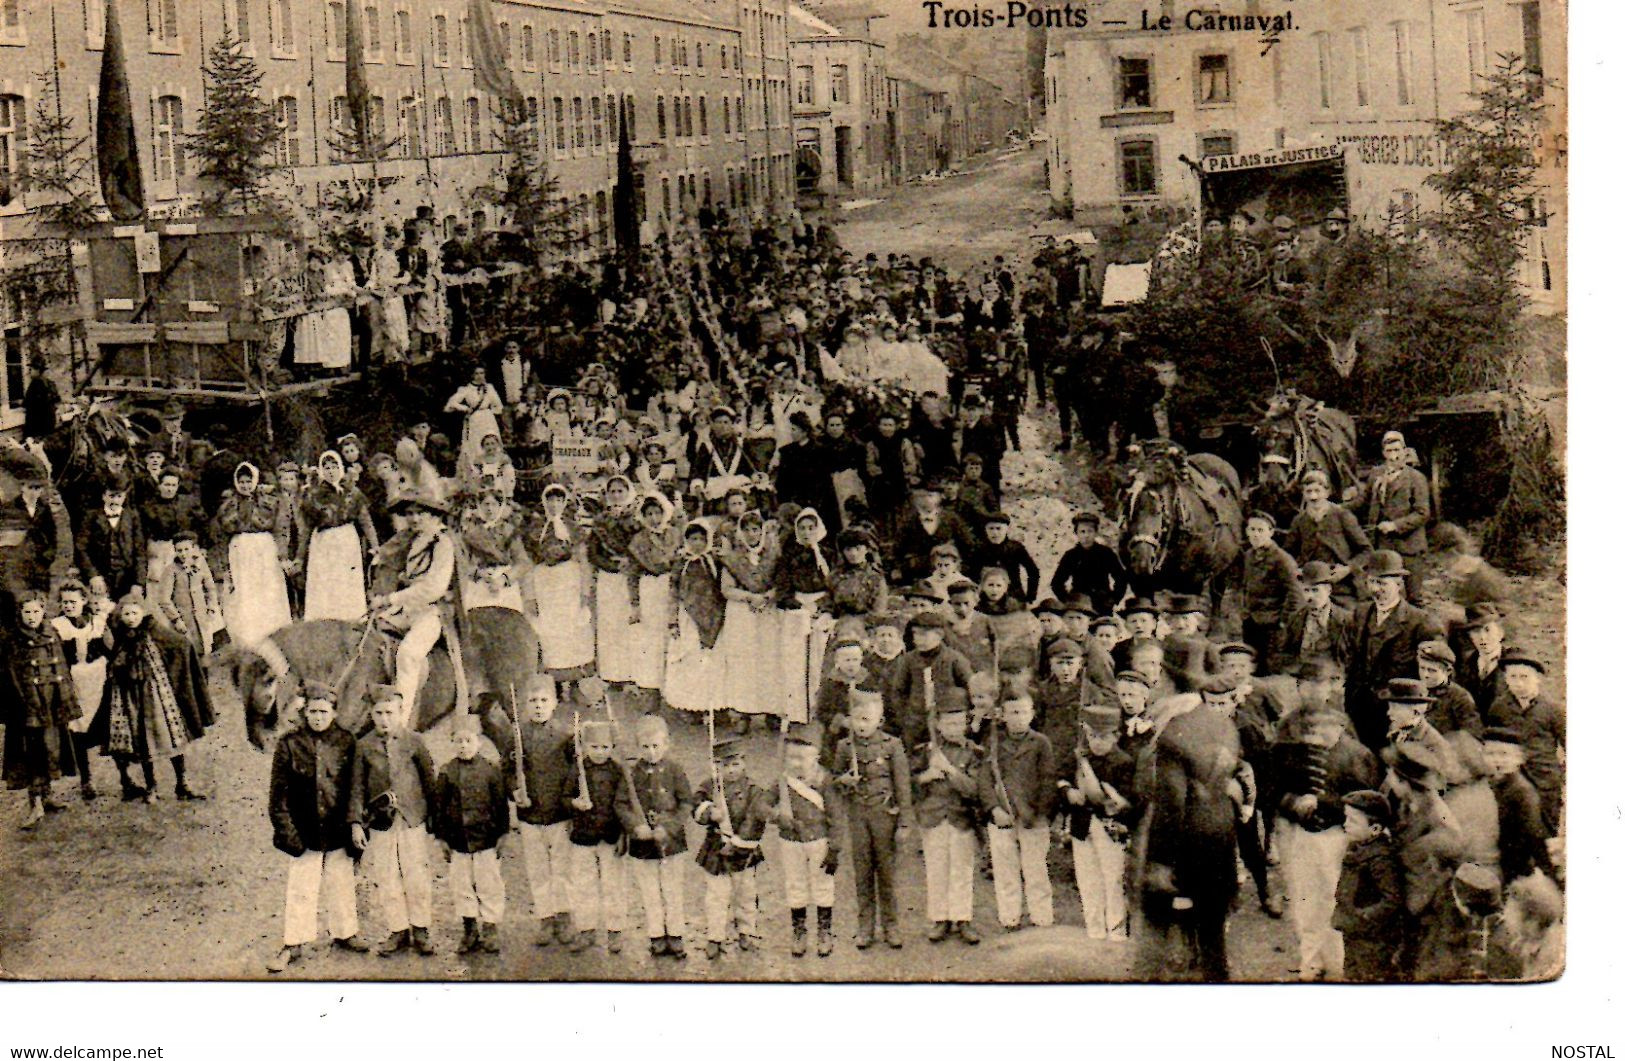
(653, 549)
(322, 336)
(801, 583)
(750, 641)
(491, 537)
(256, 592)
(337, 524)
(155, 702)
(694, 666)
(607, 552)
(561, 583)
(490, 468)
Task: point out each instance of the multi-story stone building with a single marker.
(704, 84)
(840, 102)
(1131, 111)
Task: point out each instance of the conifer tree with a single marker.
(236, 130)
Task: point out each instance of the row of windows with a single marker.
(1137, 89)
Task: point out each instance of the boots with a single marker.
(938, 933)
(284, 958)
(151, 793)
(488, 938)
(471, 937)
(562, 930)
(658, 947)
(798, 931)
(674, 947)
(36, 812)
(613, 944)
(546, 934)
(395, 944)
(713, 950)
(129, 790)
(826, 931)
(182, 791)
(81, 764)
(420, 940)
(968, 933)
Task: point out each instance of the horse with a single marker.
(499, 650)
(1298, 434)
(1182, 519)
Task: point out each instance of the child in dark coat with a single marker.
(471, 818)
(1370, 905)
(309, 807)
(546, 760)
(597, 883)
(734, 811)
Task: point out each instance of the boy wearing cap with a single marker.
(1399, 506)
(907, 685)
(970, 632)
(390, 790)
(1268, 586)
(597, 877)
(998, 549)
(810, 816)
(311, 773)
(1428, 837)
(835, 693)
(1097, 786)
(946, 569)
(1316, 763)
(1017, 788)
(1140, 624)
(885, 645)
(735, 812)
(471, 816)
(1068, 686)
(1540, 726)
(1452, 708)
(1188, 656)
(1368, 912)
(1316, 627)
(1480, 644)
(1090, 567)
(872, 773)
(1523, 838)
(945, 801)
(652, 807)
(1327, 533)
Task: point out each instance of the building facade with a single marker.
(1129, 111)
(841, 103)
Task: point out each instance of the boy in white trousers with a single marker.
(1017, 786)
(811, 819)
(471, 818)
(542, 777)
(389, 811)
(1097, 785)
(309, 808)
(945, 803)
(653, 807)
(597, 884)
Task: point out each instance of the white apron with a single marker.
(564, 625)
(649, 636)
(257, 605)
(88, 678)
(335, 583)
(801, 659)
(694, 674)
(614, 634)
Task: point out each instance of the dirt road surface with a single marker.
(115, 890)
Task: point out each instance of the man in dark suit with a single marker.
(1385, 635)
(112, 545)
(1316, 628)
(28, 539)
(1188, 656)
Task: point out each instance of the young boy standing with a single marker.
(652, 807)
(946, 806)
(471, 818)
(596, 880)
(389, 808)
(311, 773)
(544, 755)
(1099, 795)
(879, 804)
(1370, 904)
(1017, 786)
(734, 812)
(1540, 726)
(811, 822)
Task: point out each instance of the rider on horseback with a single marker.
(414, 609)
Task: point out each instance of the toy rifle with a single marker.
(930, 711)
(521, 794)
(718, 792)
(1000, 792)
(581, 759)
(784, 762)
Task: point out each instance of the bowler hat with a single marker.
(1317, 573)
(1480, 616)
(930, 621)
(1187, 604)
(1511, 657)
(1047, 606)
(1385, 563)
(1078, 603)
(1137, 605)
(1101, 718)
(1406, 691)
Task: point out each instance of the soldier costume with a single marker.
(657, 796)
(946, 804)
(734, 822)
(811, 819)
(875, 784)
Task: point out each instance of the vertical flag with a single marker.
(626, 193)
(355, 77)
(118, 159)
(491, 73)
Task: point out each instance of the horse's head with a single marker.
(1147, 524)
(258, 687)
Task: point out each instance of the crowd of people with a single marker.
(768, 495)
